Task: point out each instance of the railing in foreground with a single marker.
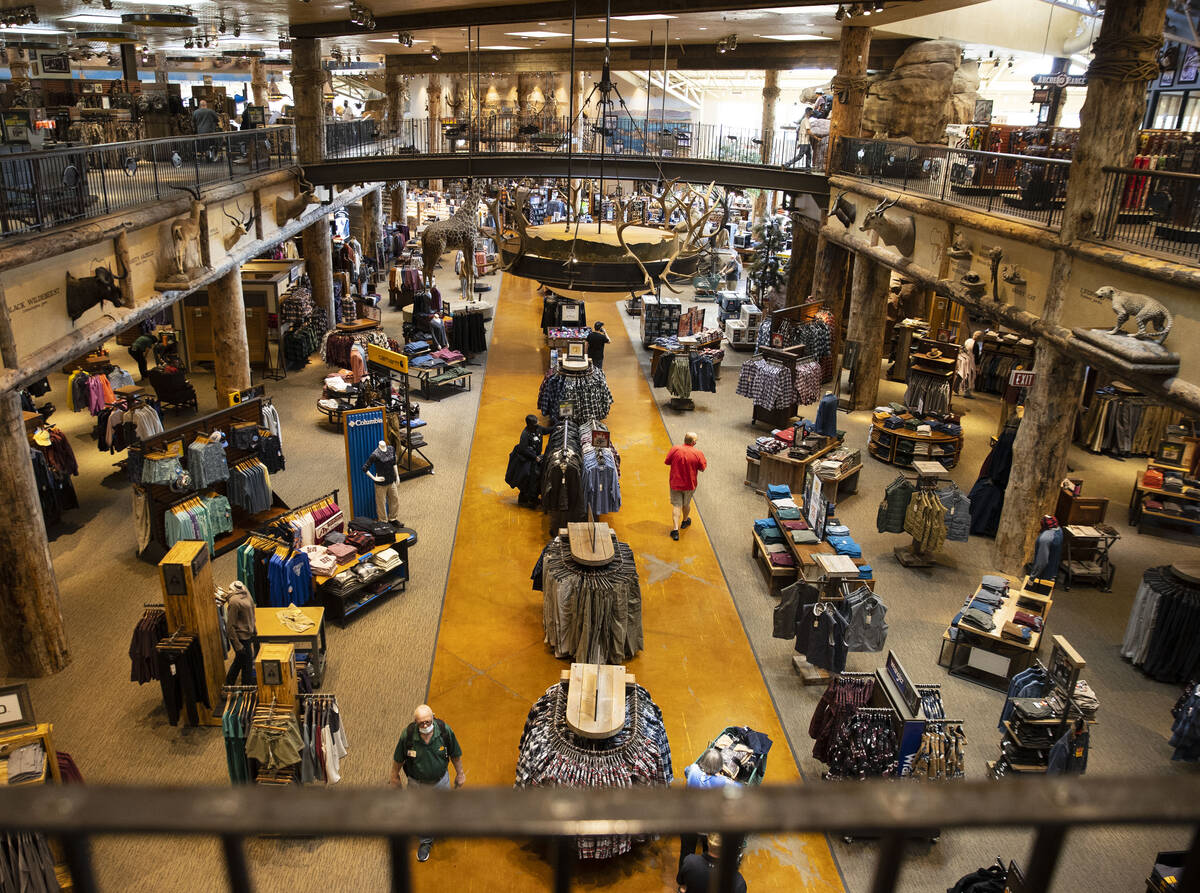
(41, 190)
(616, 138)
(1155, 210)
(890, 810)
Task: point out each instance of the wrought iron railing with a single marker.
(1026, 187)
(616, 137)
(41, 190)
(889, 810)
(341, 137)
(1154, 210)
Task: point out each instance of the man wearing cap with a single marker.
(596, 340)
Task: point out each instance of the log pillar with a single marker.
(372, 205)
(32, 632)
(308, 86)
(770, 95)
(868, 312)
(829, 276)
(1130, 35)
(849, 89)
(160, 68)
(317, 245)
(400, 203)
(231, 351)
(434, 95)
(394, 89)
(258, 82)
(803, 263)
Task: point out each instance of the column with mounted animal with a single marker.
(802, 264)
(308, 83)
(1124, 60)
(868, 311)
(32, 632)
(849, 89)
(231, 351)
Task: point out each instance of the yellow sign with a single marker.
(381, 356)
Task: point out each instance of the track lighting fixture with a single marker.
(405, 38)
(727, 44)
(841, 13)
(435, 54)
(361, 16)
(237, 29)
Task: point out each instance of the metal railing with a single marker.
(616, 137)
(1026, 187)
(889, 810)
(41, 190)
(1154, 210)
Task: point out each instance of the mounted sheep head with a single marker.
(900, 234)
(241, 226)
(287, 209)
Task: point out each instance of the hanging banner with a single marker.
(362, 429)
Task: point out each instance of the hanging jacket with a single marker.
(890, 518)
(958, 513)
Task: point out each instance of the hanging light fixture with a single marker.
(435, 54)
(273, 94)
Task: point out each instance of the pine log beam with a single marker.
(868, 312)
(849, 88)
(31, 624)
(372, 206)
(93, 334)
(231, 350)
(43, 245)
(803, 263)
(1039, 455)
(317, 244)
(829, 276)
(308, 88)
(1179, 393)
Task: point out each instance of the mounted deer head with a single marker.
(241, 226)
(900, 234)
(844, 210)
(287, 209)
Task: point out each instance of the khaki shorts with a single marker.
(682, 498)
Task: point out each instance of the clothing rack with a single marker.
(927, 475)
(189, 601)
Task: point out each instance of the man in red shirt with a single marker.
(686, 462)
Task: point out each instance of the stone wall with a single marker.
(929, 88)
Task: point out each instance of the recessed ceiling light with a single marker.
(502, 46)
(93, 18)
(601, 40)
(795, 36)
(536, 34)
(31, 29)
(645, 17)
(702, 28)
(542, 24)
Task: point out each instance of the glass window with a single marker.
(1191, 113)
(1166, 111)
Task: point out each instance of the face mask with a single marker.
(425, 728)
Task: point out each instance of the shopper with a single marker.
(596, 340)
(204, 119)
(424, 752)
(698, 872)
(686, 462)
(137, 350)
(243, 633)
(524, 470)
(803, 141)
(702, 774)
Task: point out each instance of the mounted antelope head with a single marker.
(241, 226)
(291, 208)
(185, 231)
(900, 234)
(844, 210)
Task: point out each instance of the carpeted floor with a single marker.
(380, 666)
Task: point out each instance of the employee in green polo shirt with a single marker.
(425, 751)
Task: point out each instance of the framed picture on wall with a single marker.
(1189, 68)
(1169, 60)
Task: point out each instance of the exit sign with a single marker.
(1021, 378)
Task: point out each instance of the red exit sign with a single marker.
(1021, 378)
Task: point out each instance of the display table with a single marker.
(454, 376)
(1139, 514)
(780, 468)
(359, 325)
(936, 446)
(833, 487)
(342, 604)
(776, 577)
(271, 629)
(988, 658)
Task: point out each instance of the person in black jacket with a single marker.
(524, 463)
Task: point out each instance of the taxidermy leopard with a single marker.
(1141, 308)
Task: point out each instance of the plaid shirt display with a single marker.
(551, 755)
(768, 384)
(588, 395)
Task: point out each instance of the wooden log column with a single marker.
(231, 351)
(400, 203)
(803, 263)
(868, 312)
(1130, 35)
(317, 245)
(372, 205)
(394, 89)
(770, 93)
(258, 82)
(849, 89)
(308, 84)
(31, 625)
(829, 276)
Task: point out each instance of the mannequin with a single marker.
(243, 633)
(436, 327)
(460, 270)
(826, 422)
(381, 468)
(1069, 754)
(1049, 550)
(967, 367)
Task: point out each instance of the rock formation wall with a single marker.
(929, 88)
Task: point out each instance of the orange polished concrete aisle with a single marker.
(491, 664)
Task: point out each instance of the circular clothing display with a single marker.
(551, 755)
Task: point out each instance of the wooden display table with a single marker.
(835, 486)
(359, 325)
(271, 629)
(343, 603)
(453, 374)
(1001, 658)
(887, 450)
(777, 577)
(780, 468)
(1139, 514)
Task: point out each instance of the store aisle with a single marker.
(490, 663)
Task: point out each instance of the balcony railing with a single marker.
(617, 137)
(890, 810)
(41, 190)
(1154, 210)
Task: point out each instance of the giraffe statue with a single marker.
(457, 232)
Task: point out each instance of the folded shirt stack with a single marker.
(337, 384)
(414, 347)
(845, 545)
(794, 524)
(778, 491)
(782, 559)
(804, 537)
(321, 560)
(387, 559)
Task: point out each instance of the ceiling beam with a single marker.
(683, 57)
(559, 10)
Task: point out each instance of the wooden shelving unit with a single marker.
(934, 447)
